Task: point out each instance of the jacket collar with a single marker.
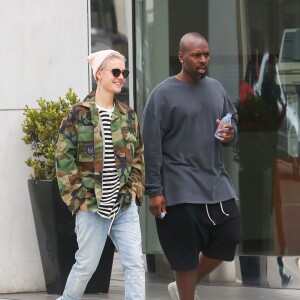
(89, 102)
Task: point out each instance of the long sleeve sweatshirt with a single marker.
(183, 159)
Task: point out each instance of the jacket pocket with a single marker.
(86, 151)
(129, 147)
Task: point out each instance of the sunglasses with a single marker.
(117, 72)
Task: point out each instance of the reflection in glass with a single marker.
(255, 50)
(109, 31)
(269, 129)
(269, 271)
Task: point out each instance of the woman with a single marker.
(100, 172)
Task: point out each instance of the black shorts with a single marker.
(188, 229)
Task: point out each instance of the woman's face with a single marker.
(105, 75)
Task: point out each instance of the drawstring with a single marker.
(223, 210)
(111, 224)
(209, 215)
(207, 212)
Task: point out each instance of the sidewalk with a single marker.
(156, 289)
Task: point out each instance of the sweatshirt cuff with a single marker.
(154, 192)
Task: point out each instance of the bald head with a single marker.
(189, 39)
(194, 56)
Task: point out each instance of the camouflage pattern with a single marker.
(79, 155)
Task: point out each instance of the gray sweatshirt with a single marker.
(183, 159)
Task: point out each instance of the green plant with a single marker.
(258, 123)
(41, 127)
(255, 115)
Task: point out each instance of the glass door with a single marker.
(255, 54)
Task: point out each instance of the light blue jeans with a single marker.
(92, 231)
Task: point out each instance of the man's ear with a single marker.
(180, 57)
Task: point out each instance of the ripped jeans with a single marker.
(92, 231)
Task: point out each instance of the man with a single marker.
(185, 175)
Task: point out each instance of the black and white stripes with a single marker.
(110, 179)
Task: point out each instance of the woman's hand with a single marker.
(83, 206)
(133, 195)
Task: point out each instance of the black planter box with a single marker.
(57, 240)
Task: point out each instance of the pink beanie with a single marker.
(97, 58)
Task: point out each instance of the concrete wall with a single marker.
(43, 52)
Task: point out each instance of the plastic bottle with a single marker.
(225, 121)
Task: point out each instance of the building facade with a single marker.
(255, 54)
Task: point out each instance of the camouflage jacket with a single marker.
(79, 155)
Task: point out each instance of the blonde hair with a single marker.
(113, 55)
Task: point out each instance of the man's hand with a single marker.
(226, 133)
(157, 205)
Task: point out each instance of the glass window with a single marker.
(110, 27)
(255, 54)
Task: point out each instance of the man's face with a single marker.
(195, 59)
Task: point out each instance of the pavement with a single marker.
(156, 288)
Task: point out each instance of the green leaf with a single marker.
(40, 128)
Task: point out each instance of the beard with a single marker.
(194, 74)
(200, 76)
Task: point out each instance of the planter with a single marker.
(255, 150)
(256, 209)
(254, 153)
(250, 270)
(286, 191)
(57, 240)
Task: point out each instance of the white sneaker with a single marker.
(173, 291)
(298, 262)
(172, 288)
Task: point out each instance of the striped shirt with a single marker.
(109, 205)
